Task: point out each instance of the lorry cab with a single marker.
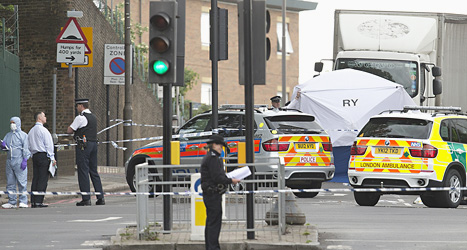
(409, 70)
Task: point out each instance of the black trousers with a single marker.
(213, 203)
(40, 176)
(86, 160)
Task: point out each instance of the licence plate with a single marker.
(388, 151)
(305, 145)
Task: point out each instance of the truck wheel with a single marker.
(366, 198)
(313, 185)
(451, 198)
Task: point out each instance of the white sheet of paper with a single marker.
(52, 168)
(239, 173)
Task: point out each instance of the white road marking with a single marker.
(99, 220)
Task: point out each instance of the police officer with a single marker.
(84, 128)
(275, 102)
(214, 183)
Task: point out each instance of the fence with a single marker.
(266, 204)
(9, 29)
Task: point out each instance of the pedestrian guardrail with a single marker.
(268, 208)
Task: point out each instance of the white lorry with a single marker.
(408, 48)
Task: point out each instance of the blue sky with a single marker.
(317, 26)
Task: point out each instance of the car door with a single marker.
(460, 142)
(231, 126)
(192, 136)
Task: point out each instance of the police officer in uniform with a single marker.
(84, 127)
(276, 103)
(214, 183)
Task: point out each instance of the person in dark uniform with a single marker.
(275, 102)
(84, 127)
(214, 183)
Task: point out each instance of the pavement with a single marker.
(113, 180)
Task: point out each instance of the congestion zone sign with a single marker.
(114, 64)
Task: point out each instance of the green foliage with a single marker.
(191, 78)
(148, 235)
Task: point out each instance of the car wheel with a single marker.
(429, 200)
(130, 172)
(366, 198)
(313, 185)
(451, 198)
(131, 177)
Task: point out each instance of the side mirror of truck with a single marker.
(437, 87)
(319, 66)
(436, 71)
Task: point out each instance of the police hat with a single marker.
(275, 99)
(217, 139)
(81, 101)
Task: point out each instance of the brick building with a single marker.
(197, 49)
(40, 22)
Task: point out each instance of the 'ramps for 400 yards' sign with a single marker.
(115, 64)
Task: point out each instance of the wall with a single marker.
(40, 22)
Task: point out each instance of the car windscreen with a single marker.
(397, 128)
(293, 124)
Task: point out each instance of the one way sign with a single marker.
(70, 53)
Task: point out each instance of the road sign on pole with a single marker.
(70, 53)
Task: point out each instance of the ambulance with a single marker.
(417, 147)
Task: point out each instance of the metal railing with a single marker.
(269, 207)
(9, 28)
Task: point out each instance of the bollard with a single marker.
(198, 210)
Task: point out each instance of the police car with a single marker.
(418, 147)
(296, 137)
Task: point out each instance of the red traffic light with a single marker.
(161, 21)
(160, 44)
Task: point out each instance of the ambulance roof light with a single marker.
(434, 108)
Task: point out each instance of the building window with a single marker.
(205, 35)
(206, 93)
(289, 48)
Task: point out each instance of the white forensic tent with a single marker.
(343, 101)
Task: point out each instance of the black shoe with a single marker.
(100, 201)
(38, 205)
(84, 203)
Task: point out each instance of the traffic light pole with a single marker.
(166, 138)
(249, 112)
(214, 50)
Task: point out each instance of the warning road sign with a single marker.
(71, 33)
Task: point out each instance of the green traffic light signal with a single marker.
(160, 67)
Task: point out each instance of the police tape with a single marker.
(187, 193)
(143, 139)
(185, 135)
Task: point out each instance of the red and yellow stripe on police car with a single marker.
(398, 160)
(305, 151)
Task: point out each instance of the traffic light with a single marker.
(261, 45)
(163, 42)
